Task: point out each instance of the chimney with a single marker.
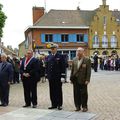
(37, 13)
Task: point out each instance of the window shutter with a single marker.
(86, 38)
(55, 37)
(59, 37)
(72, 37)
(43, 38)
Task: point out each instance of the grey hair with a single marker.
(3, 55)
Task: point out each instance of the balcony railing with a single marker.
(105, 45)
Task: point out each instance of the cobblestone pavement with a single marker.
(104, 96)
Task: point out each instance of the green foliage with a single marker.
(2, 20)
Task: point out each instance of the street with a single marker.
(103, 92)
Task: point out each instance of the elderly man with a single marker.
(6, 76)
(81, 70)
(55, 69)
(30, 76)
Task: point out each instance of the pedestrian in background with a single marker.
(95, 62)
(16, 70)
(6, 76)
(42, 68)
(80, 77)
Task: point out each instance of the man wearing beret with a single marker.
(55, 70)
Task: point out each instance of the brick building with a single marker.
(64, 27)
(95, 30)
(104, 31)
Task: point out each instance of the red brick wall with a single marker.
(38, 32)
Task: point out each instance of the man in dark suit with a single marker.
(55, 69)
(81, 69)
(30, 75)
(95, 62)
(6, 76)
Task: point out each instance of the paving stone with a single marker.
(82, 116)
(40, 114)
(103, 98)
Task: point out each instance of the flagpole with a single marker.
(45, 4)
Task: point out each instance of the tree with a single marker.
(2, 20)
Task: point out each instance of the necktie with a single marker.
(27, 60)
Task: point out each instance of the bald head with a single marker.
(80, 49)
(80, 52)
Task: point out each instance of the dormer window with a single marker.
(104, 41)
(113, 40)
(95, 41)
(118, 20)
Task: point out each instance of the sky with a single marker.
(19, 14)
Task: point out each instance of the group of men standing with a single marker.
(55, 72)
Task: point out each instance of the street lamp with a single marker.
(33, 46)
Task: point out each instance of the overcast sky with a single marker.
(19, 14)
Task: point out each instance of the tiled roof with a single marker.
(7, 51)
(66, 18)
(116, 14)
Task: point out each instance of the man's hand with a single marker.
(62, 80)
(8, 83)
(86, 82)
(26, 74)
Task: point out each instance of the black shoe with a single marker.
(59, 107)
(85, 110)
(4, 105)
(77, 109)
(26, 106)
(34, 106)
(53, 107)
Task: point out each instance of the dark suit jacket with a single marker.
(84, 71)
(6, 72)
(32, 68)
(55, 66)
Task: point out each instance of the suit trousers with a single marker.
(30, 91)
(55, 88)
(80, 95)
(4, 94)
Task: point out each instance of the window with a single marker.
(104, 41)
(64, 37)
(72, 54)
(113, 41)
(80, 37)
(114, 52)
(60, 52)
(48, 38)
(105, 52)
(95, 41)
(66, 52)
(105, 20)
